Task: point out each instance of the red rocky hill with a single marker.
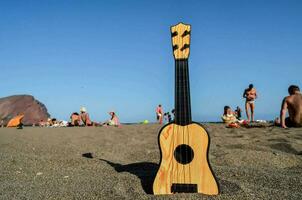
(33, 110)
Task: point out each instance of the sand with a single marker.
(120, 163)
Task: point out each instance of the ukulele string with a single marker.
(188, 115)
(173, 143)
(189, 111)
(184, 116)
(176, 120)
(179, 114)
(185, 113)
(179, 118)
(181, 86)
(182, 150)
(176, 110)
(175, 116)
(185, 107)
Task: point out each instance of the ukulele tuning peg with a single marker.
(174, 34)
(186, 33)
(185, 47)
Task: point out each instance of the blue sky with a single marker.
(116, 55)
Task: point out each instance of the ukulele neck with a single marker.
(182, 93)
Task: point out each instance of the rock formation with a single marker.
(33, 109)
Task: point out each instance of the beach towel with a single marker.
(233, 125)
(257, 125)
(16, 121)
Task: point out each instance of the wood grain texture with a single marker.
(197, 172)
(180, 40)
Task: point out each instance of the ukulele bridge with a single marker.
(183, 188)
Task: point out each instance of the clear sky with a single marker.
(116, 55)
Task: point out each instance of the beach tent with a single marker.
(16, 121)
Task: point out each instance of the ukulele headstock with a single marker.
(181, 35)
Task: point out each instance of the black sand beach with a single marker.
(120, 163)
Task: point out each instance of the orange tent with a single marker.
(16, 121)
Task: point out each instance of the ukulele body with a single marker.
(184, 166)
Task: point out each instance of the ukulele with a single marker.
(184, 166)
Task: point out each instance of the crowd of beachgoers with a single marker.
(233, 119)
(291, 104)
(81, 119)
(76, 119)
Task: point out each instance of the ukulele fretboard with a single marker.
(182, 93)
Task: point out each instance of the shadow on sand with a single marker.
(87, 155)
(145, 171)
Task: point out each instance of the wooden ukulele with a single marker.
(184, 166)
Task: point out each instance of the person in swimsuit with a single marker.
(228, 116)
(168, 117)
(159, 114)
(238, 113)
(173, 113)
(250, 94)
(113, 121)
(75, 119)
(292, 104)
(84, 116)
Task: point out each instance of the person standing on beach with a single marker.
(159, 114)
(250, 95)
(292, 104)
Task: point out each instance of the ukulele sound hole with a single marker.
(183, 154)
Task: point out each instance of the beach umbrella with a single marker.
(16, 121)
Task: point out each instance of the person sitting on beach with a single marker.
(50, 122)
(173, 113)
(53, 121)
(113, 121)
(2, 123)
(168, 117)
(75, 119)
(228, 115)
(43, 123)
(292, 104)
(84, 117)
(250, 95)
(238, 113)
(59, 123)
